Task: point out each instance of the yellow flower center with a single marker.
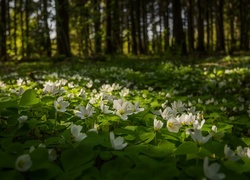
(58, 106)
(121, 112)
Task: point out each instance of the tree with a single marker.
(3, 48)
(178, 33)
(200, 24)
(62, 28)
(97, 27)
(47, 41)
(190, 18)
(220, 37)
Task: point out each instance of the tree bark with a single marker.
(220, 37)
(62, 28)
(200, 21)
(178, 33)
(190, 16)
(3, 49)
(47, 44)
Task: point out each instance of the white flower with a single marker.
(168, 113)
(198, 125)
(243, 152)
(85, 112)
(186, 119)
(211, 171)
(76, 132)
(197, 136)
(173, 125)
(105, 109)
(60, 104)
(157, 124)
(23, 162)
(122, 109)
(230, 154)
(135, 108)
(51, 88)
(124, 92)
(178, 106)
(95, 128)
(22, 119)
(52, 154)
(117, 143)
(214, 129)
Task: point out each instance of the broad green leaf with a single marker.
(48, 170)
(11, 174)
(29, 98)
(187, 148)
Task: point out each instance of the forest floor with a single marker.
(126, 118)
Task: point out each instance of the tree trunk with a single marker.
(144, 27)
(116, 40)
(27, 41)
(47, 44)
(109, 45)
(15, 27)
(178, 34)
(3, 49)
(190, 16)
(62, 28)
(97, 26)
(200, 24)
(166, 25)
(220, 37)
(133, 28)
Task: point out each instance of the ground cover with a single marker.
(126, 119)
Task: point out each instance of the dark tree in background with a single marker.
(178, 33)
(200, 25)
(3, 44)
(220, 37)
(62, 28)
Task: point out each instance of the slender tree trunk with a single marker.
(166, 25)
(190, 14)
(133, 28)
(138, 26)
(220, 37)
(109, 22)
(178, 32)
(200, 21)
(154, 33)
(15, 26)
(27, 14)
(97, 24)
(47, 43)
(3, 49)
(144, 27)
(244, 25)
(116, 40)
(231, 23)
(62, 28)
(208, 26)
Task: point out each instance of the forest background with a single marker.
(85, 28)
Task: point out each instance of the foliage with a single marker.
(104, 121)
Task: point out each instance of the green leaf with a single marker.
(13, 174)
(7, 161)
(7, 102)
(49, 170)
(166, 146)
(29, 98)
(147, 136)
(187, 148)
